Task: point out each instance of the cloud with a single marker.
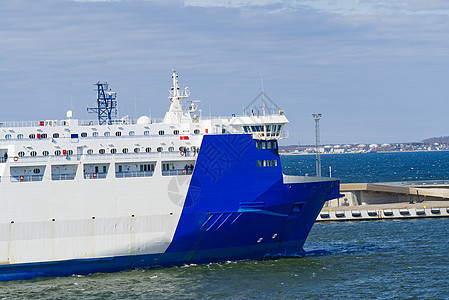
(344, 7)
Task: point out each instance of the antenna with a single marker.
(317, 118)
(263, 93)
(106, 104)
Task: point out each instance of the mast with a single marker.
(106, 104)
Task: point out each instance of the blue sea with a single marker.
(406, 259)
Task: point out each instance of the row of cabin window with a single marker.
(266, 145)
(94, 134)
(260, 128)
(267, 163)
(103, 151)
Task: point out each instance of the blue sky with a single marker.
(377, 70)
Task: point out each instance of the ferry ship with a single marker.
(110, 194)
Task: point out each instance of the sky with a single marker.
(377, 71)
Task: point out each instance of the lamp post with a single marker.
(317, 118)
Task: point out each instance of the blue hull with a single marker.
(234, 209)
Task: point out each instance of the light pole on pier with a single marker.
(317, 118)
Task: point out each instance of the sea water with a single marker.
(373, 259)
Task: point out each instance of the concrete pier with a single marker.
(396, 200)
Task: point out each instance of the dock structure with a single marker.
(394, 200)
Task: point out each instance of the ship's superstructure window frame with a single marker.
(266, 163)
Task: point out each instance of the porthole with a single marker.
(58, 152)
(147, 149)
(113, 150)
(95, 133)
(171, 149)
(102, 151)
(159, 149)
(118, 133)
(125, 150)
(33, 153)
(20, 136)
(146, 132)
(32, 136)
(176, 132)
(90, 151)
(55, 135)
(107, 133)
(21, 154)
(45, 153)
(8, 137)
(132, 133)
(161, 132)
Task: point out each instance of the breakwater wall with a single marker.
(398, 200)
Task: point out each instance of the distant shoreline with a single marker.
(330, 153)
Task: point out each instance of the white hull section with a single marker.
(90, 218)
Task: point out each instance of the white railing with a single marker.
(101, 157)
(128, 174)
